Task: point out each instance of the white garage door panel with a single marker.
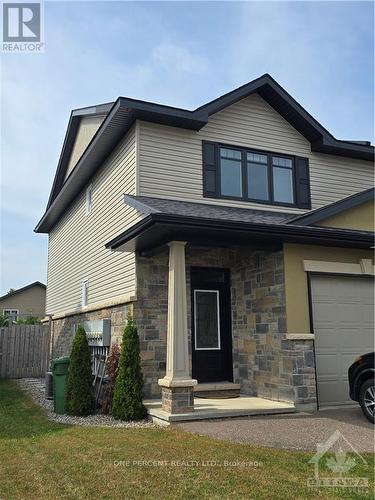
(343, 317)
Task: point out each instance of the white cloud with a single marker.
(171, 57)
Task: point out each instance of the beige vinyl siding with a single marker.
(87, 128)
(77, 243)
(171, 158)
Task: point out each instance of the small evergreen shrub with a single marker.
(4, 321)
(111, 370)
(79, 393)
(127, 399)
(29, 320)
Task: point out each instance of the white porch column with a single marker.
(177, 393)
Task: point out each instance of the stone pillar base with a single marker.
(177, 399)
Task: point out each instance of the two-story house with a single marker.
(239, 235)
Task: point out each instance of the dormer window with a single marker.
(238, 173)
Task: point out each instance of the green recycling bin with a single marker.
(60, 367)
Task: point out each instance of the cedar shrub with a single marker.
(127, 398)
(79, 392)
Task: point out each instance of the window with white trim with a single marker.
(11, 314)
(206, 320)
(89, 199)
(85, 293)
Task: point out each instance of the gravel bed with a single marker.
(35, 388)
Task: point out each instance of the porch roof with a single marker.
(318, 215)
(213, 225)
(148, 205)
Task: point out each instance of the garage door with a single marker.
(343, 318)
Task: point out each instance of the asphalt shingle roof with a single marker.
(148, 205)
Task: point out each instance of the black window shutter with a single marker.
(209, 153)
(303, 195)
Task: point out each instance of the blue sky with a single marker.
(177, 53)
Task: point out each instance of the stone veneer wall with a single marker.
(151, 308)
(298, 365)
(264, 363)
(150, 315)
(63, 329)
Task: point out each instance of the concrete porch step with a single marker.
(217, 390)
(244, 406)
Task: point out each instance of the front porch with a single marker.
(211, 308)
(210, 408)
(263, 363)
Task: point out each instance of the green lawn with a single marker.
(39, 459)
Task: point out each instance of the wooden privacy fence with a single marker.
(24, 351)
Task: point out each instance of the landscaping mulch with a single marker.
(35, 388)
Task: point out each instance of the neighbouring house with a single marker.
(239, 235)
(30, 300)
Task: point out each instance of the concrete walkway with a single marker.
(301, 431)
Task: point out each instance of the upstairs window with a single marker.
(258, 170)
(85, 293)
(258, 176)
(282, 175)
(230, 172)
(89, 199)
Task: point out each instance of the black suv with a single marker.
(361, 383)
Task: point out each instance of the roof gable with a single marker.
(121, 115)
(68, 145)
(317, 217)
(87, 128)
(272, 92)
(23, 289)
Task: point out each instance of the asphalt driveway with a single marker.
(301, 431)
